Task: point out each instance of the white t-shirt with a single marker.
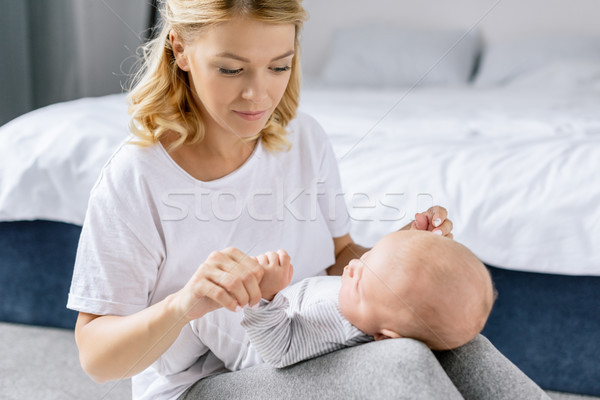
(149, 225)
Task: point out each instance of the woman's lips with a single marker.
(250, 116)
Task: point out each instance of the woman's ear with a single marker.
(179, 51)
(386, 334)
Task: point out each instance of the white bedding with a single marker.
(51, 157)
(517, 171)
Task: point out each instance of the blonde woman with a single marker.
(222, 168)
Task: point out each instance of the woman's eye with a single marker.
(229, 72)
(281, 69)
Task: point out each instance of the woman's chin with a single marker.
(246, 129)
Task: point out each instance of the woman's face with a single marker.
(238, 71)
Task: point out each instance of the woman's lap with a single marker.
(395, 368)
(480, 371)
(398, 368)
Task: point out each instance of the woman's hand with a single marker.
(278, 272)
(434, 220)
(228, 278)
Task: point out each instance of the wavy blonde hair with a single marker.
(160, 100)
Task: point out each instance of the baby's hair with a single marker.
(452, 268)
(161, 101)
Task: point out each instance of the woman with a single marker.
(223, 162)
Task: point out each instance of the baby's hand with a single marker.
(278, 272)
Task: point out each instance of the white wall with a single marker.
(498, 20)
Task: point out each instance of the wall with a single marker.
(109, 31)
(498, 20)
(58, 50)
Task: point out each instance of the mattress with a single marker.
(516, 169)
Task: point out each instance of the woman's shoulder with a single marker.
(131, 154)
(307, 127)
(307, 135)
(128, 165)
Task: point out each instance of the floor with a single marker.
(43, 363)
(566, 396)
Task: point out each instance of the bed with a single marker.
(506, 137)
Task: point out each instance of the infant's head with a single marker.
(418, 285)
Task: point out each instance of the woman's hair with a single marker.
(161, 101)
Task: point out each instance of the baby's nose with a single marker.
(350, 268)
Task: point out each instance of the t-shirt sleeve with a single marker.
(118, 260)
(332, 202)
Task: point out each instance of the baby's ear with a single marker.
(386, 334)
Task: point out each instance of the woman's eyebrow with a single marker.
(285, 55)
(242, 59)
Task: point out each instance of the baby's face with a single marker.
(371, 291)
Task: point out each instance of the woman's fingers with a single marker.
(216, 293)
(436, 215)
(444, 229)
(249, 271)
(236, 273)
(228, 278)
(435, 219)
(220, 280)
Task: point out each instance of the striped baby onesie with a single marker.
(301, 322)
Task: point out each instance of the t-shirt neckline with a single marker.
(219, 181)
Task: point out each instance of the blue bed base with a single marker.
(548, 325)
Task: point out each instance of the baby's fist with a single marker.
(278, 272)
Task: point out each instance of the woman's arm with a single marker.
(115, 347)
(345, 250)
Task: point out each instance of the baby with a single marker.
(412, 284)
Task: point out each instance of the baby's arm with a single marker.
(284, 336)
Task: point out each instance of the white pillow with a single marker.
(51, 157)
(505, 62)
(569, 74)
(390, 56)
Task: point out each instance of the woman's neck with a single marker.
(208, 159)
(225, 148)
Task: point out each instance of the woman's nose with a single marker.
(255, 89)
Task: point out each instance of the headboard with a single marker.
(497, 20)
